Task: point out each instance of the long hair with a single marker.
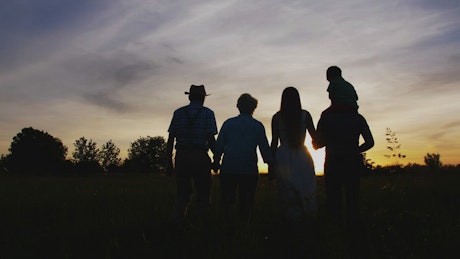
(290, 111)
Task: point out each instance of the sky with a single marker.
(117, 69)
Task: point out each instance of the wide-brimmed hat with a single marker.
(198, 90)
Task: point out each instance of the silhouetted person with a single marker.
(192, 128)
(342, 94)
(340, 132)
(238, 140)
(294, 168)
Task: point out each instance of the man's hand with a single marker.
(317, 144)
(215, 166)
(169, 154)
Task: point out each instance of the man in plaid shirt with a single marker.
(193, 128)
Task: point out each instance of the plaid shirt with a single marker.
(192, 125)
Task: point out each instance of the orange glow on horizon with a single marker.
(317, 156)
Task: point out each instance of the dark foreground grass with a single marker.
(126, 216)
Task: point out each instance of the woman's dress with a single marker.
(295, 177)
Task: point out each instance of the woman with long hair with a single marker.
(294, 169)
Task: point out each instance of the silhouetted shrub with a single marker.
(146, 155)
(109, 157)
(433, 161)
(35, 152)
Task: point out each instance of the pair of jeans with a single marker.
(192, 167)
(342, 182)
(243, 184)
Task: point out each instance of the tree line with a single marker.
(36, 152)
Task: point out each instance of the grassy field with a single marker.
(126, 216)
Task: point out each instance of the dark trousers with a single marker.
(342, 180)
(192, 167)
(245, 186)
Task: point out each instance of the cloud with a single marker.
(35, 28)
(107, 101)
(134, 59)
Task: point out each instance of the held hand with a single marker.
(215, 166)
(317, 143)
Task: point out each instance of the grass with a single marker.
(126, 216)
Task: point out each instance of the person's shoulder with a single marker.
(207, 109)
(326, 113)
(227, 125)
(305, 112)
(180, 109)
(360, 116)
(258, 123)
(231, 120)
(346, 82)
(354, 117)
(338, 114)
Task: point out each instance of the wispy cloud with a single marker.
(133, 60)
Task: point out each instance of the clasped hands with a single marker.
(215, 166)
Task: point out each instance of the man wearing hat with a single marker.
(193, 128)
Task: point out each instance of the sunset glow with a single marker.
(318, 159)
(117, 70)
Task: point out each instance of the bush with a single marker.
(35, 152)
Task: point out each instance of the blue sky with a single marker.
(118, 69)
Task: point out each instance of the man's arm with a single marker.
(264, 148)
(219, 146)
(266, 151)
(215, 165)
(318, 142)
(311, 127)
(169, 151)
(212, 143)
(212, 132)
(367, 136)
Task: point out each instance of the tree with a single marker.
(393, 146)
(147, 154)
(433, 161)
(109, 156)
(85, 151)
(86, 156)
(36, 152)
